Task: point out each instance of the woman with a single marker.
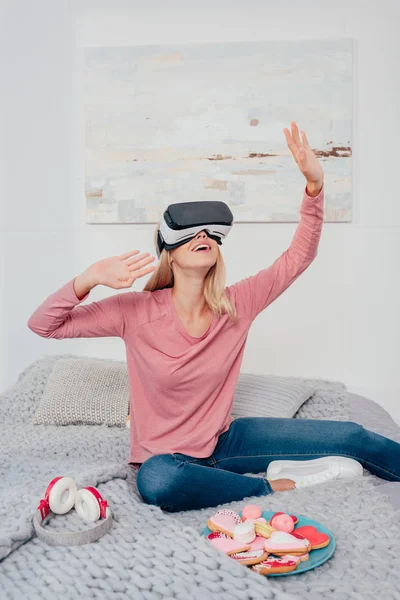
(185, 335)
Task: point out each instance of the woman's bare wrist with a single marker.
(84, 283)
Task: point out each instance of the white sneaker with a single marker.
(314, 471)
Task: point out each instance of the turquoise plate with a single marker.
(316, 557)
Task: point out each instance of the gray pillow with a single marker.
(85, 391)
(96, 392)
(331, 404)
(269, 395)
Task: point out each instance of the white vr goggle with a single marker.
(182, 221)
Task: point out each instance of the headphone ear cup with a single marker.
(87, 506)
(62, 495)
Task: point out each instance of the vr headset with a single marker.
(182, 221)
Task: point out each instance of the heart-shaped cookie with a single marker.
(317, 539)
(251, 557)
(258, 520)
(224, 520)
(272, 564)
(258, 543)
(297, 557)
(282, 542)
(223, 542)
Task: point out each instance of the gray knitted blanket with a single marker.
(152, 554)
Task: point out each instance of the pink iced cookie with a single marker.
(251, 511)
(275, 565)
(282, 542)
(259, 520)
(282, 522)
(298, 558)
(258, 543)
(251, 557)
(224, 520)
(226, 544)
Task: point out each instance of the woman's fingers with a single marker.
(129, 261)
(141, 263)
(136, 265)
(127, 254)
(143, 272)
(290, 142)
(137, 259)
(305, 140)
(129, 279)
(295, 144)
(295, 134)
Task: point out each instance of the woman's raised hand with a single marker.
(304, 156)
(121, 271)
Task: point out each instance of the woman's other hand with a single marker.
(121, 271)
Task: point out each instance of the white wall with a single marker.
(339, 320)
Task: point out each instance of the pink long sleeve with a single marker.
(256, 292)
(181, 386)
(59, 316)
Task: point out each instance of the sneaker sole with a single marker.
(281, 467)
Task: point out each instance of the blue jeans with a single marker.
(178, 482)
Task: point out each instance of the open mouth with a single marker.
(202, 248)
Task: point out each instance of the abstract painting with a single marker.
(187, 122)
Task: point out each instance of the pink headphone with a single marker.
(60, 496)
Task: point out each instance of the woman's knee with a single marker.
(353, 435)
(354, 428)
(155, 479)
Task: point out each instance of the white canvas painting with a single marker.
(180, 123)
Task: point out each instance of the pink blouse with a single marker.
(181, 386)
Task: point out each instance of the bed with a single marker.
(153, 554)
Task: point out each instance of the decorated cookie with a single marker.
(316, 538)
(258, 520)
(282, 522)
(251, 557)
(303, 557)
(258, 543)
(297, 557)
(224, 520)
(282, 542)
(244, 532)
(251, 511)
(225, 543)
(274, 564)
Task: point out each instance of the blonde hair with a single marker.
(214, 283)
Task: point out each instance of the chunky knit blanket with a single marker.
(152, 554)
